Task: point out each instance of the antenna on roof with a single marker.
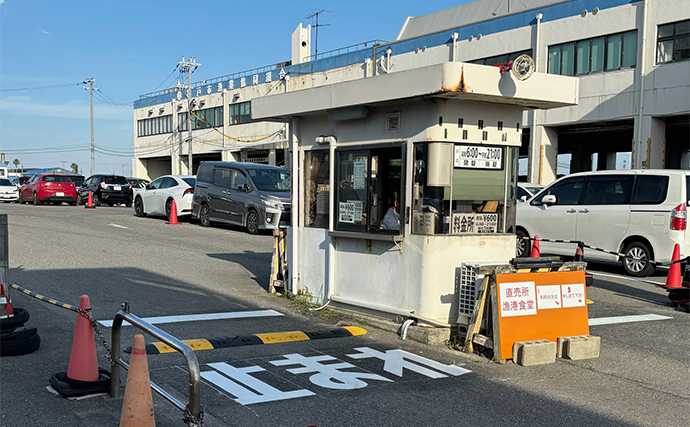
(315, 17)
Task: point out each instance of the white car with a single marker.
(156, 197)
(9, 192)
(640, 213)
(526, 190)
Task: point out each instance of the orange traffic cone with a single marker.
(89, 204)
(535, 248)
(83, 364)
(6, 309)
(673, 280)
(173, 214)
(579, 254)
(137, 407)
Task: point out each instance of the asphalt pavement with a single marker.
(642, 377)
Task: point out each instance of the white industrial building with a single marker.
(631, 58)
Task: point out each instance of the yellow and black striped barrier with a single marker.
(44, 299)
(534, 270)
(244, 340)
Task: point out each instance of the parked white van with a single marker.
(641, 213)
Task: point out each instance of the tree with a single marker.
(75, 168)
(16, 163)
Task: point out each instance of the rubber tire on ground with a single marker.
(95, 200)
(73, 203)
(111, 204)
(252, 222)
(168, 209)
(129, 205)
(57, 203)
(648, 269)
(139, 207)
(204, 215)
(527, 245)
(23, 342)
(20, 317)
(36, 201)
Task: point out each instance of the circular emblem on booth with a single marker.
(179, 95)
(523, 67)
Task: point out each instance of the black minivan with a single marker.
(251, 195)
(105, 190)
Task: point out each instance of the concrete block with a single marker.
(428, 336)
(537, 352)
(579, 347)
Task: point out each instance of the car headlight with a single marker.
(273, 204)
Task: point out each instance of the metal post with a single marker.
(93, 158)
(4, 262)
(190, 161)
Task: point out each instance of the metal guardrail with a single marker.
(346, 49)
(194, 406)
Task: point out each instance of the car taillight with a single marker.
(679, 218)
(104, 185)
(188, 191)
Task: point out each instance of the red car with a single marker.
(47, 188)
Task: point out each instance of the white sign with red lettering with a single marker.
(573, 295)
(549, 297)
(518, 299)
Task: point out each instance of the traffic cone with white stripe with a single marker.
(535, 248)
(673, 280)
(137, 407)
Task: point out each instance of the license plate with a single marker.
(59, 194)
(117, 188)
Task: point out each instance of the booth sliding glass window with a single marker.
(480, 197)
(316, 188)
(369, 193)
(673, 42)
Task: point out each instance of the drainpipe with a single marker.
(640, 103)
(294, 220)
(533, 133)
(454, 36)
(331, 219)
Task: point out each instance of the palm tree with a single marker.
(75, 168)
(16, 163)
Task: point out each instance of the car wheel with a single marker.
(522, 246)
(129, 205)
(20, 317)
(168, 208)
(96, 200)
(139, 207)
(111, 204)
(36, 201)
(57, 203)
(73, 203)
(252, 222)
(204, 215)
(636, 263)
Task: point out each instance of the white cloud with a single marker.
(41, 30)
(71, 109)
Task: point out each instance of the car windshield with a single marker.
(77, 180)
(5, 182)
(270, 179)
(56, 178)
(117, 180)
(532, 189)
(190, 181)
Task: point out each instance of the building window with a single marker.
(501, 59)
(595, 55)
(317, 188)
(207, 118)
(154, 126)
(673, 42)
(240, 113)
(369, 193)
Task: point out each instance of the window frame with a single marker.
(537, 201)
(402, 197)
(605, 66)
(608, 178)
(238, 116)
(675, 36)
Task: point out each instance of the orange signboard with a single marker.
(533, 306)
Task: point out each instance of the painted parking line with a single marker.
(118, 226)
(634, 279)
(626, 319)
(270, 338)
(199, 317)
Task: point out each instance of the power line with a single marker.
(39, 87)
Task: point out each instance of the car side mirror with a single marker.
(523, 198)
(549, 199)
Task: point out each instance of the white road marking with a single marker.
(626, 319)
(118, 226)
(197, 317)
(615, 276)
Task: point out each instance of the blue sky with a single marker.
(131, 48)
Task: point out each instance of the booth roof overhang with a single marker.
(452, 80)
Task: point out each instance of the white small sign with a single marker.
(549, 297)
(359, 180)
(573, 295)
(518, 299)
(358, 210)
(346, 212)
(472, 223)
(478, 157)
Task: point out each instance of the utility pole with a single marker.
(93, 156)
(189, 67)
(316, 27)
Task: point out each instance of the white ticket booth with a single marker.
(399, 179)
